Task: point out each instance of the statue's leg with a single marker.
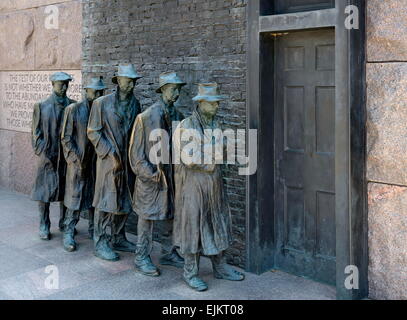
(221, 270)
(119, 240)
(45, 222)
(170, 255)
(142, 261)
(62, 213)
(191, 271)
(71, 219)
(91, 225)
(100, 237)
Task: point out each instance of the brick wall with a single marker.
(201, 40)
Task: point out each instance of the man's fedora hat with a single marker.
(60, 76)
(169, 78)
(96, 83)
(208, 92)
(126, 70)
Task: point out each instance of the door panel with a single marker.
(305, 154)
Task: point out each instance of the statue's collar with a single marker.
(60, 100)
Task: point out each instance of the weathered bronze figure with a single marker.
(154, 191)
(109, 128)
(49, 185)
(81, 162)
(202, 222)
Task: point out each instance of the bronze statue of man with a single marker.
(110, 123)
(81, 162)
(202, 223)
(153, 198)
(49, 185)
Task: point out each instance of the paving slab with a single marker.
(24, 272)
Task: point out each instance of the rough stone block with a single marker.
(5, 158)
(24, 163)
(387, 241)
(13, 5)
(59, 48)
(386, 30)
(16, 41)
(386, 123)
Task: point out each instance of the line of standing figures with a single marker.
(94, 156)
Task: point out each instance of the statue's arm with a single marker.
(94, 131)
(139, 162)
(37, 137)
(193, 160)
(67, 140)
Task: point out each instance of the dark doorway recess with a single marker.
(289, 6)
(306, 205)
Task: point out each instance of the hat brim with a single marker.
(64, 80)
(209, 98)
(172, 82)
(114, 79)
(96, 88)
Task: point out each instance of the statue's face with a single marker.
(60, 88)
(171, 92)
(209, 108)
(92, 94)
(126, 85)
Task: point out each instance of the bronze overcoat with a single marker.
(49, 184)
(109, 130)
(80, 157)
(202, 222)
(153, 197)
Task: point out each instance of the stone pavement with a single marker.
(24, 258)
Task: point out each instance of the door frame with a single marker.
(350, 137)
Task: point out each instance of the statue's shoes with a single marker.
(45, 235)
(146, 267)
(228, 273)
(172, 259)
(106, 253)
(196, 283)
(124, 245)
(69, 243)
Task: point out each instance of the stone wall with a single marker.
(387, 147)
(201, 40)
(27, 45)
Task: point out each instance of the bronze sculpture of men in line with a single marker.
(154, 191)
(202, 223)
(109, 128)
(81, 162)
(49, 185)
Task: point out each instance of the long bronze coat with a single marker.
(49, 184)
(153, 197)
(80, 157)
(109, 130)
(202, 222)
